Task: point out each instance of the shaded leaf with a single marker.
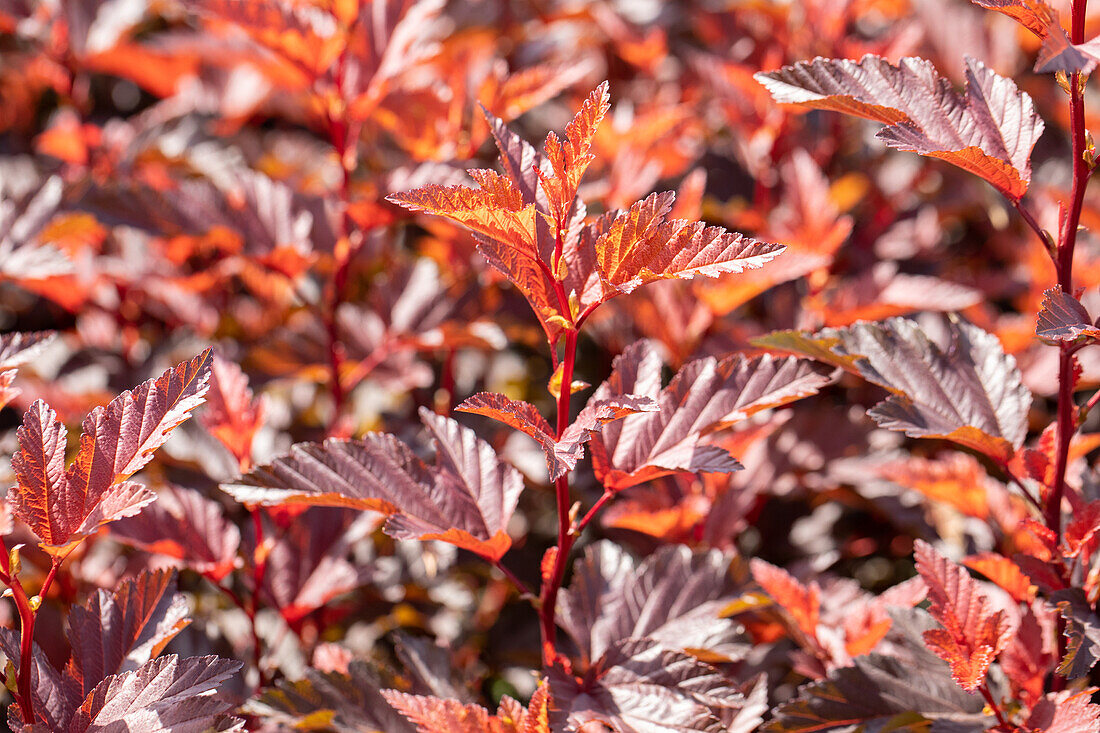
(1065, 712)
(1082, 633)
(705, 395)
(17, 348)
(232, 414)
(989, 131)
(961, 386)
(879, 689)
(56, 696)
(184, 524)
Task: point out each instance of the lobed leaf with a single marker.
(1056, 53)
(673, 598)
(1063, 318)
(117, 632)
(705, 395)
(568, 159)
(989, 131)
(435, 715)
(973, 634)
(60, 505)
(962, 386)
(465, 499)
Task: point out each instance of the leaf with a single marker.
(989, 131)
(62, 505)
(1004, 573)
(640, 246)
(435, 715)
(1065, 712)
(705, 395)
(640, 685)
(23, 255)
(1082, 633)
(801, 602)
(973, 634)
(184, 524)
(1057, 53)
(465, 499)
(878, 689)
(56, 696)
(18, 348)
(1063, 318)
(956, 479)
(232, 415)
(561, 454)
(568, 159)
(117, 632)
(673, 598)
(347, 703)
(166, 694)
(961, 386)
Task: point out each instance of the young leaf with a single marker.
(1056, 53)
(1063, 318)
(562, 453)
(989, 131)
(705, 395)
(434, 715)
(961, 386)
(640, 246)
(117, 632)
(973, 634)
(568, 159)
(166, 694)
(801, 602)
(62, 505)
(466, 498)
(673, 598)
(232, 414)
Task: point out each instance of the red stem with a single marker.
(259, 570)
(561, 489)
(1067, 409)
(988, 696)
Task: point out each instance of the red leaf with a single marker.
(705, 395)
(1063, 318)
(989, 131)
(184, 524)
(434, 715)
(973, 634)
(1004, 573)
(1065, 712)
(961, 386)
(117, 632)
(466, 498)
(561, 454)
(232, 415)
(568, 159)
(1057, 53)
(166, 694)
(802, 602)
(117, 440)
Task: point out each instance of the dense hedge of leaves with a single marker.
(558, 365)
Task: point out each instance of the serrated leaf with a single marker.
(1065, 712)
(167, 694)
(640, 685)
(705, 395)
(878, 690)
(801, 602)
(465, 499)
(20, 347)
(435, 715)
(184, 524)
(973, 634)
(561, 454)
(1056, 53)
(117, 632)
(673, 597)
(56, 696)
(232, 414)
(23, 256)
(568, 159)
(62, 505)
(989, 131)
(1082, 633)
(1063, 318)
(346, 703)
(961, 386)
(640, 246)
